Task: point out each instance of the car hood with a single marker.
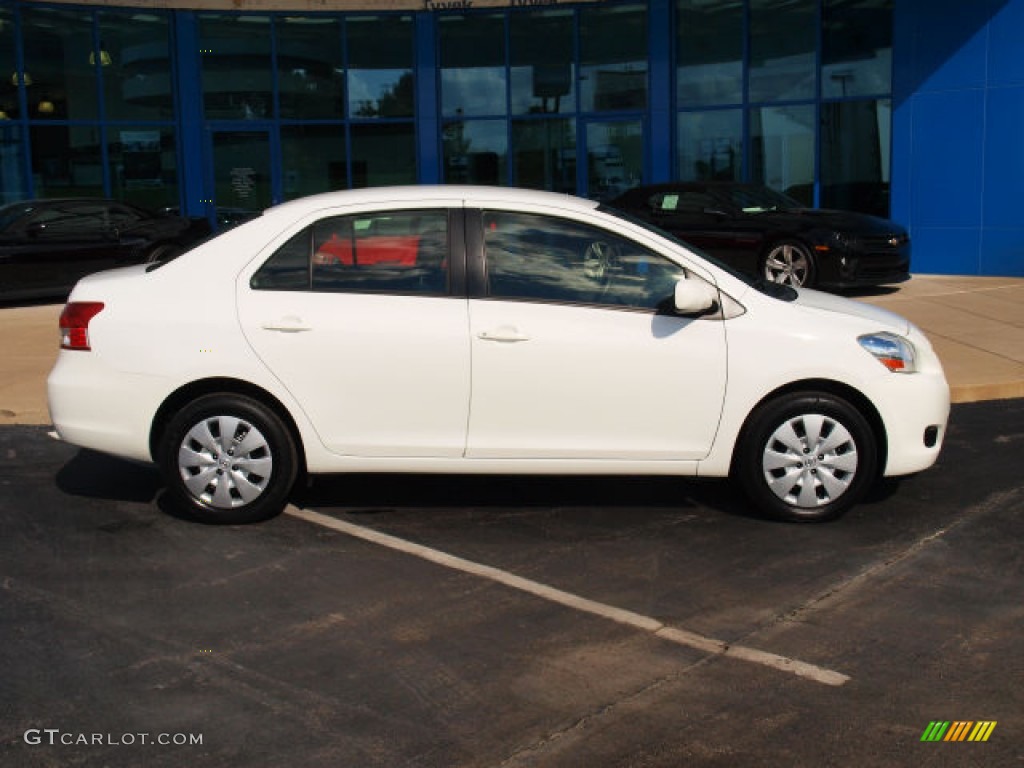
(827, 302)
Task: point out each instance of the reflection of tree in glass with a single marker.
(396, 101)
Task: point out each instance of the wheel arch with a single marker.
(227, 386)
(829, 386)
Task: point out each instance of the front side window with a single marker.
(539, 258)
(402, 252)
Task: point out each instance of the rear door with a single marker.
(363, 318)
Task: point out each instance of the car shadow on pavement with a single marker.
(98, 476)
(380, 494)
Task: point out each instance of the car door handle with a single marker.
(289, 324)
(504, 333)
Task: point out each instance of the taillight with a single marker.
(74, 323)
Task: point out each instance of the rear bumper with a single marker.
(92, 407)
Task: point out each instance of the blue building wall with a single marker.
(958, 134)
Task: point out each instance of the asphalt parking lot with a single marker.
(454, 621)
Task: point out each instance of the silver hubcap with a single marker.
(225, 462)
(810, 460)
(787, 264)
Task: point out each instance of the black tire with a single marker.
(807, 457)
(789, 262)
(216, 477)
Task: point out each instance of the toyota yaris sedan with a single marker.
(485, 330)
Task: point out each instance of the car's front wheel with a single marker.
(807, 456)
(790, 263)
(228, 459)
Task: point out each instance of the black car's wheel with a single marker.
(807, 456)
(789, 262)
(228, 459)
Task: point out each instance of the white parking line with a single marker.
(570, 600)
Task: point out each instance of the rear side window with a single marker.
(387, 252)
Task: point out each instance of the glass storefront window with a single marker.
(783, 35)
(310, 73)
(855, 142)
(782, 150)
(543, 63)
(856, 48)
(66, 161)
(380, 67)
(711, 145)
(613, 58)
(242, 172)
(615, 157)
(473, 75)
(383, 154)
(9, 105)
(237, 75)
(143, 165)
(12, 178)
(60, 81)
(710, 61)
(476, 152)
(134, 56)
(313, 159)
(544, 154)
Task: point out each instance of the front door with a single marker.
(572, 357)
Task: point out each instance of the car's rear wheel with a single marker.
(790, 263)
(807, 456)
(228, 459)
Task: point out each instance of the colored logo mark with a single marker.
(958, 730)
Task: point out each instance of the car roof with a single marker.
(428, 193)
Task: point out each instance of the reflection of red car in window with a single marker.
(399, 250)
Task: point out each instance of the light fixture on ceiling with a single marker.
(105, 60)
(23, 79)
(46, 107)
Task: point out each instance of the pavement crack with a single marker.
(842, 588)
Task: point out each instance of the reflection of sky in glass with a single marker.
(473, 91)
(370, 85)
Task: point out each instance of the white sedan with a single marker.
(487, 330)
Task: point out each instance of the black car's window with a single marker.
(683, 201)
(68, 220)
(122, 216)
(548, 259)
(389, 252)
(759, 199)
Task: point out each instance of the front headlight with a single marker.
(892, 351)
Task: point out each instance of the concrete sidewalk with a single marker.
(975, 323)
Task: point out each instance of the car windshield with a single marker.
(11, 213)
(759, 199)
(775, 290)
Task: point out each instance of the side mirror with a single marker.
(694, 297)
